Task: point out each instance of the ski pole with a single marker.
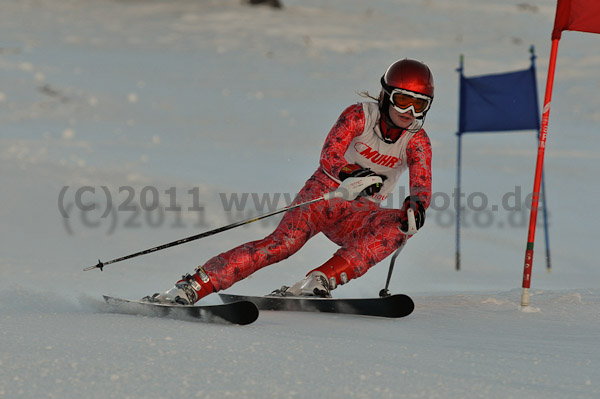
(101, 264)
(348, 190)
(412, 229)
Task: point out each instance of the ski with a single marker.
(393, 306)
(235, 312)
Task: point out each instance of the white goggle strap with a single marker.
(411, 93)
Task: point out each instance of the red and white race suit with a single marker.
(365, 232)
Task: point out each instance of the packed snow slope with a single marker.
(186, 116)
(459, 346)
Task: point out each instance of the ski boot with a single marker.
(187, 291)
(315, 284)
(322, 280)
(181, 293)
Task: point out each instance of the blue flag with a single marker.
(499, 102)
(496, 103)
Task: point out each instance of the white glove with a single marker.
(352, 187)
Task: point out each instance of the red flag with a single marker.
(579, 15)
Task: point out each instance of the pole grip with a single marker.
(412, 224)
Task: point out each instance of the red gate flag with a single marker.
(579, 15)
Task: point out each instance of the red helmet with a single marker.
(408, 75)
(405, 85)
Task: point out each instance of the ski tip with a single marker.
(250, 312)
(407, 306)
(239, 312)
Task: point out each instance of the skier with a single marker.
(382, 138)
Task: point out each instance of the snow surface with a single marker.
(224, 99)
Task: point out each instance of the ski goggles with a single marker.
(405, 100)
